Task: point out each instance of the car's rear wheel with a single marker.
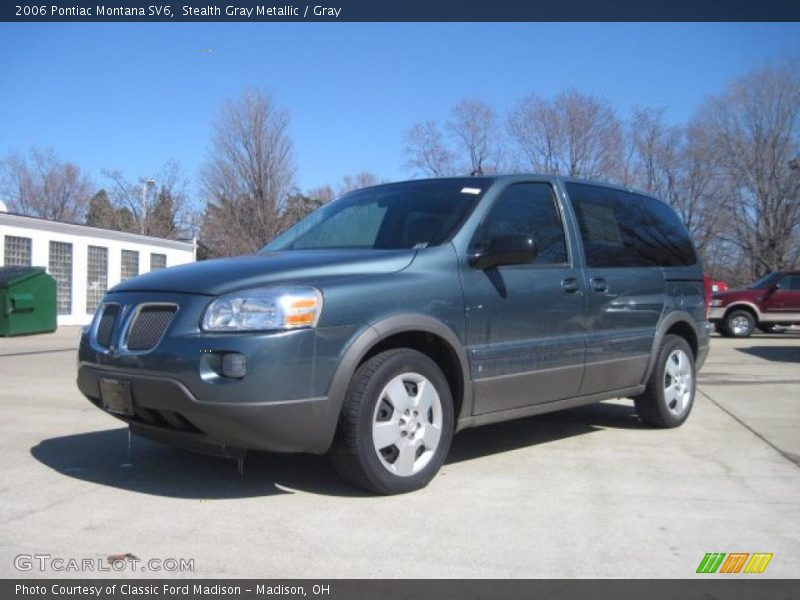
(739, 323)
(669, 395)
(396, 425)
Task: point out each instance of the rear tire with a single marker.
(396, 424)
(669, 396)
(739, 323)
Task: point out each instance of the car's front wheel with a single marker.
(396, 424)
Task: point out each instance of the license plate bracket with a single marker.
(115, 396)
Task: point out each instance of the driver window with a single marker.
(527, 209)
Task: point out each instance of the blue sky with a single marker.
(132, 96)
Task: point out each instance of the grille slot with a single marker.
(149, 326)
(105, 328)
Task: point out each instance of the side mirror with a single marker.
(504, 250)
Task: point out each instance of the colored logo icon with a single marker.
(734, 562)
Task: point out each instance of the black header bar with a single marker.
(399, 10)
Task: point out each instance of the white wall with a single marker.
(43, 232)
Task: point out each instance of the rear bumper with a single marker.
(703, 343)
(166, 411)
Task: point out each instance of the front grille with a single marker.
(149, 326)
(105, 328)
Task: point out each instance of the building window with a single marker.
(17, 251)
(60, 267)
(130, 264)
(158, 261)
(96, 277)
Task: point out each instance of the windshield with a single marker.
(765, 281)
(412, 214)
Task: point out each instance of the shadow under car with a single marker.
(111, 457)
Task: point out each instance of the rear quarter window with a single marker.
(624, 229)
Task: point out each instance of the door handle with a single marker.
(599, 284)
(570, 285)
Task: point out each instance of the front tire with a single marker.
(739, 323)
(396, 423)
(669, 395)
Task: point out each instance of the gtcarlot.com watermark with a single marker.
(110, 564)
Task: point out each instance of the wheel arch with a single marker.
(678, 323)
(419, 332)
(741, 305)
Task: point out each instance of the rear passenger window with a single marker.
(527, 209)
(622, 229)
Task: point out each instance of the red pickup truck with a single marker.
(771, 302)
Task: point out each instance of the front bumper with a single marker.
(181, 397)
(716, 313)
(166, 411)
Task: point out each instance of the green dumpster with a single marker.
(27, 301)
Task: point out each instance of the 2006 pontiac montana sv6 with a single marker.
(397, 315)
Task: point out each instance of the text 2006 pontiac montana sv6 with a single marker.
(396, 315)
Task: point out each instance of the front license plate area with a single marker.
(115, 395)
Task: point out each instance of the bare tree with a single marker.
(426, 151)
(675, 164)
(574, 134)
(535, 126)
(323, 193)
(248, 176)
(475, 129)
(356, 182)
(754, 128)
(654, 151)
(43, 185)
(698, 194)
(163, 211)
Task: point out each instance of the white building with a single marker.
(85, 261)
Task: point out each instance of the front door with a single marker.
(783, 302)
(525, 332)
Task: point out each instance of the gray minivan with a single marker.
(397, 315)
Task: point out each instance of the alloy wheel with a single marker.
(677, 382)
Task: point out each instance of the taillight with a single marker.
(707, 295)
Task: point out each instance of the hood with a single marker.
(747, 294)
(214, 277)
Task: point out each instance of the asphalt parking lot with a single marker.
(582, 493)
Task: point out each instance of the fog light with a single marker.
(234, 365)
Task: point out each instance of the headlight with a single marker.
(715, 302)
(264, 309)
